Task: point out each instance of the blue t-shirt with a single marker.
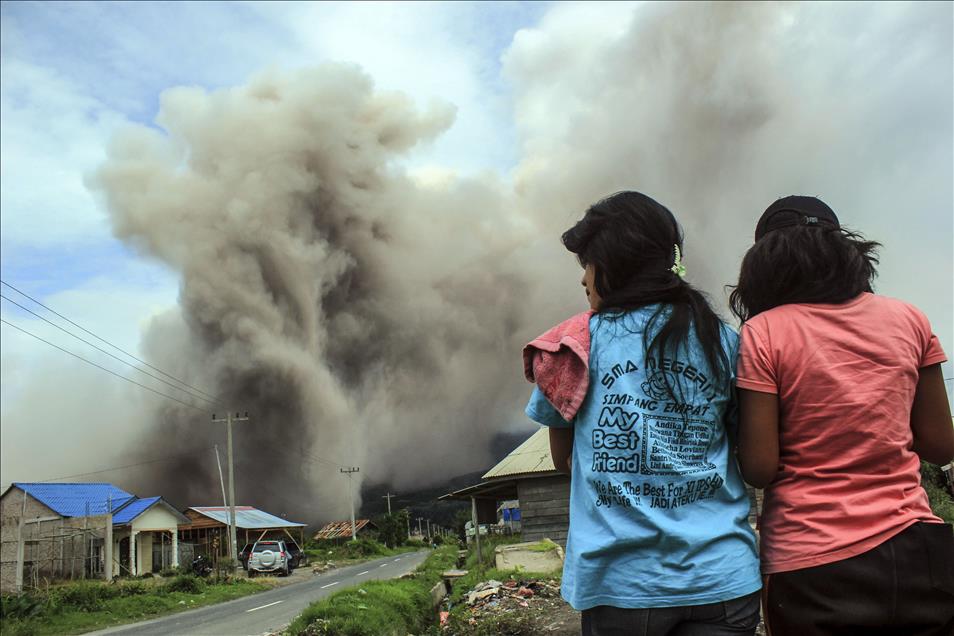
(658, 509)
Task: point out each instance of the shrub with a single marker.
(169, 572)
(133, 588)
(415, 543)
(363, 548)
(83, 596)
(20, 606)
(932, 478)
(185, 583)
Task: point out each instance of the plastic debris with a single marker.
(490, 598)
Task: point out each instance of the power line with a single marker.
(53, 311)
(110, 371)
(320, 459)
(109, 470)
(115, 357)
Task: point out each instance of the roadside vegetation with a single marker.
(379, 608)
(404, 606)
(73, 608)
(350, 552)
(934, 482)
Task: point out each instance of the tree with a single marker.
(460, 520)
(392, 528)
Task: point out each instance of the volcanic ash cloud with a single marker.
(357, 315)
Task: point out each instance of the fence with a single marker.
(35, 550)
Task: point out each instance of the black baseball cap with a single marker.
(795, 210)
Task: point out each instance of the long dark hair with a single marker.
(630, 238)
(803, 264)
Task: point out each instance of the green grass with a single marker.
(74, 608)
(398, 607)
(543, 546)
(402, 606)
(487, 547)
(377, 607)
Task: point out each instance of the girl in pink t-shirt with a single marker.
(841, 397)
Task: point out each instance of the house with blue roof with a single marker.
(146, 536)
(83, 530)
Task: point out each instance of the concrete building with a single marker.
(78, 530)
(50, 533)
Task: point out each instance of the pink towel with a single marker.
(559, 362)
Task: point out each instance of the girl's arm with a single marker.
(931, 418)
(561, 448)
(758, 437)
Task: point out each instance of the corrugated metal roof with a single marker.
(338, 529)
(531, 457)
(247, 517)
(77, 500)
(133, 510)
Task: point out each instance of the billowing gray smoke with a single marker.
(358, 317)
(373, 319)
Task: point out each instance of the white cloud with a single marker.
(431, 51)
(52, 134)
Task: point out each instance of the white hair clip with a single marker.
(677, 267)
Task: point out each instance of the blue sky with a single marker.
(562, 102)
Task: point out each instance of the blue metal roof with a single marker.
(77, 500)
(133, 510)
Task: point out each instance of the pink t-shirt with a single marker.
(845, 376)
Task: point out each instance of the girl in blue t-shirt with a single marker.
(659, 541)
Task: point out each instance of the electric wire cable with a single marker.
(110, 371)
(53, 311)
(115, 357)
(109, 470)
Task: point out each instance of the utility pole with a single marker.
(225, 501)
(428, 527)
(389, 496)
(419, 531)
(348, 471)
(229, 418)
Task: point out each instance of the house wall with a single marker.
(544, 508)
(55, 547)
(151, 524)
(144, 552)
(156, 518)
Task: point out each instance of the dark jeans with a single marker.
(903, 587)
(738, 616)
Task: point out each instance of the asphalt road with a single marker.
(269, 611)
